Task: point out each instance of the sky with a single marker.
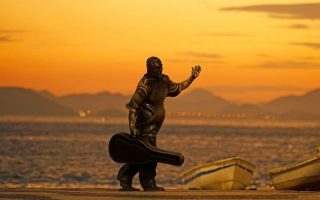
(249, 50)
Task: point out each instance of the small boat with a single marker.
(302, 176)
(228, 174)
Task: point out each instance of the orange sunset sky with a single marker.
(249, 50)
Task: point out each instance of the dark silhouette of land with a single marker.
(295, 107)
(197, 103)
(198, 100)
(19, 101)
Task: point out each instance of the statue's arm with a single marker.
(194, 74)
(133, 106)
(132, 122)
(176, 88)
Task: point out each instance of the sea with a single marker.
(49, 152)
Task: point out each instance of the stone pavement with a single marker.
(104, 194)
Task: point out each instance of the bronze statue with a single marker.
(146, 115)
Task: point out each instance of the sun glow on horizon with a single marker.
(249, 51)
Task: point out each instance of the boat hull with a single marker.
(228, 174)
(303, 176)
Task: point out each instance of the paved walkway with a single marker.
(102, 194)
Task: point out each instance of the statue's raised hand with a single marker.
(196, 71)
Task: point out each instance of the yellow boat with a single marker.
(302, 176)
(228, 174)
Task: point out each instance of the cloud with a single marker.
(256, 88)
(308, 44)
(298, 26)
(226, 34)
(287, 65)
(193, 61)
(7, 35)
(10, 31)
(309, 58)
(196, 57)
(290, 11)
(263, 55)
(200, 55)
(7, 38)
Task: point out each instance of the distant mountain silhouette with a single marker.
(198, 100)
(295, 107)
(48, 94)
(19, 101)
(112, 113)
(95, 102)
(242, 108)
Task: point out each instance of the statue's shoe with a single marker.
(127, 187)
(130, 189)
(153, 189)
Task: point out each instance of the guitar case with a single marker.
(123, 148)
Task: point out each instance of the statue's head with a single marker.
(154, 67)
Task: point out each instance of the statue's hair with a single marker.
(151, 60)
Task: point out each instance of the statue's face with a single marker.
(156, 70)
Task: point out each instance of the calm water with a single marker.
(60, 154)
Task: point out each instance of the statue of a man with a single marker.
(146, 115)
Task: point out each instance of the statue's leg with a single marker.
(147, 172)
(147, 175)
(125, 176)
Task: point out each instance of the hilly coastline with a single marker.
(20, 101)
(197, 103)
